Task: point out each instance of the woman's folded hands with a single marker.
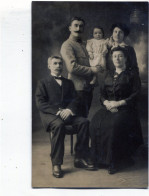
(113, 105)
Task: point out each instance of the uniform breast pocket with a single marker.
(81, 54)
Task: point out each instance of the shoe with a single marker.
(81, 163)
(57, 172)
(112, 169)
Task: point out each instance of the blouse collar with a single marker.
(122, 44)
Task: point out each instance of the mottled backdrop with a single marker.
(50, 22)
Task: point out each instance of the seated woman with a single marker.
(115, 129)
(119, 33)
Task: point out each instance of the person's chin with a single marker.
(77, 34)
(117, 65)
(57, 73)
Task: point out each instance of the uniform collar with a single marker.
(76, 39)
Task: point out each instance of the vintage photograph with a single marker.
(89, 94)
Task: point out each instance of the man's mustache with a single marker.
(78, 32)
(58, 69)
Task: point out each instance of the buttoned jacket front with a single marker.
(50, 97)
(76, 59)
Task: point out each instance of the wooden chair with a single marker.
(69, 130)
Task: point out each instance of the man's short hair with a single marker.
(76, 18)
(54, 57)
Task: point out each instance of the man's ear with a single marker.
(69, 28)
(48, 66)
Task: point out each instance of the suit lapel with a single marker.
(59, 91)
(55, 87)
(64, 88)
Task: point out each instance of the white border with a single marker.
(15, 104)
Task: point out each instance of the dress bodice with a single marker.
(126, 87)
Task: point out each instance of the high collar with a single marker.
(122, 44)
(76, 39)
(118, 71)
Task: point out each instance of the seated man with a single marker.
(57, 102)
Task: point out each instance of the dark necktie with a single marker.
(58, 78)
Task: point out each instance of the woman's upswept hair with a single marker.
(119, 48)
(122, 26)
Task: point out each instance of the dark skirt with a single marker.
(114, 136)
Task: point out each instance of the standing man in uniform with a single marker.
(76, 59)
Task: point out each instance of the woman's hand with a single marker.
(113, 110)
(107, 104)
(113, 104)
(111, 41)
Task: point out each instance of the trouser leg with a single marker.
(85, 102)
(81, 125)
(57, 141)
(93, 136)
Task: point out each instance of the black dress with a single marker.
(116, 136)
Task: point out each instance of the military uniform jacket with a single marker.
(76, 59)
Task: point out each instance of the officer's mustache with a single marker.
(78, 32)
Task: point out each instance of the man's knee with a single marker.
(57, 124)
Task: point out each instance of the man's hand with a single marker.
(65, 113)
(96, 69)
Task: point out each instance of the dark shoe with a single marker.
(57, 172)
(112, 169)
(81, 163)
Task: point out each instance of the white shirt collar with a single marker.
(55, 75)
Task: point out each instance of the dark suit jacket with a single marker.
(50, 96)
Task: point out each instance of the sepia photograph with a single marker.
(89, 94)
